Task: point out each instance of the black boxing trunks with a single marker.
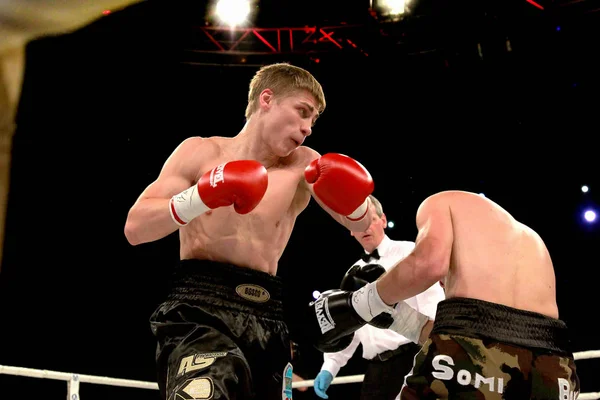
(220, 335)
(482, 350)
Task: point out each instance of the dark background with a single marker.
(103, 107)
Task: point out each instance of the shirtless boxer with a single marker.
(497, 334)
(234, 201)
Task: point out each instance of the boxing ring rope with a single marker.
(73, 380)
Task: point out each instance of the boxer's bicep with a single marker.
(165, 187)
(150, 218)
(181, 169)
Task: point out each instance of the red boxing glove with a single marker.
(241, 183)
(341, 183)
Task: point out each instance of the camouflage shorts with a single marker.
(470, 366)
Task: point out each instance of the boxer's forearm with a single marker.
(149, 220)
(354, 226)
(406, 279)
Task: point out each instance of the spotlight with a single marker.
(589, 215)
(390, 10)
(233, 12)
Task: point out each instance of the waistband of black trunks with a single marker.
(411, 347)
(222, 284)
(481, 319)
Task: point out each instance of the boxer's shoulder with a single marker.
(307, 154)
(444, 199)
(211, 150)
(300, 158)
(205, 144)
(448, 196)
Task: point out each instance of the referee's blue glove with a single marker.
(322, 382)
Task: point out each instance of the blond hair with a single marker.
(283, 79)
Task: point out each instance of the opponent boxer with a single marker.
(234, 202)
(388, 354)
(497, 334)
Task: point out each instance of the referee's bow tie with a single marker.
(367, 257)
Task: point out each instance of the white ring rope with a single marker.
(64, 376)
(335, 381)
(103, 380)
(584, 355)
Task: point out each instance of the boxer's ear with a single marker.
(266, 99)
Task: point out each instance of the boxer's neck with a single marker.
(249, 144)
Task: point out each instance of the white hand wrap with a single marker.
(186, 206)
(368, 304)
(408, 322)
(360, 212)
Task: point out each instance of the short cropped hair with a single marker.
(283, 79)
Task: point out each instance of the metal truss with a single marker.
(286, 40)
(420, 33)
